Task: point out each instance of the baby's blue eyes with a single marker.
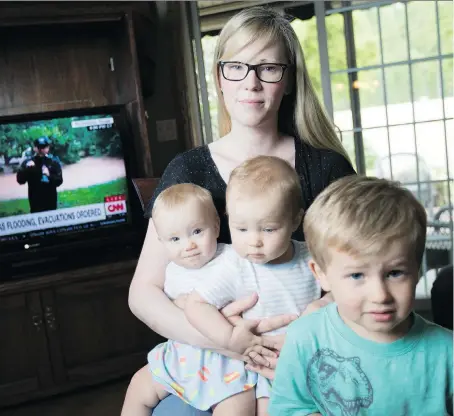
(395, 273)
(356, 276)
(197, 231)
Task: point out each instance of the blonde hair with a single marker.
(177, 196)
(269, 175)
(300, 112)
(364, 216)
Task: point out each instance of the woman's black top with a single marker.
(317, 168)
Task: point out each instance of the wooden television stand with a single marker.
(68, 330)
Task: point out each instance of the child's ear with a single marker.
(319, 275)
(298, 220)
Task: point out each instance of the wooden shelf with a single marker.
(65, 277)
(62, 20)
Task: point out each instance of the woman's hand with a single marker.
(260, 356)
(258, 353)
(277, 341)
(232, 312)
(265, 366)
(273, 323)
(244, 339)
(267, 372)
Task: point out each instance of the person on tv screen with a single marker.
(43, 173)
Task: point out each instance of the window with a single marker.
(391, 72)
(208, 45)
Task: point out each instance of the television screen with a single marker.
(61, 175)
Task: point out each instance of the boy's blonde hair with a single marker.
(268, 175)
(301, 112)
(177, 196)
(364, 216)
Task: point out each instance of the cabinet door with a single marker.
(93, 335)
(24, 359)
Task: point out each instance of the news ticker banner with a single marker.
(25, 223)
(94, 123)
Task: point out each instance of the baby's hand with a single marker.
(242, 337)
(260, 355)
(180, 301)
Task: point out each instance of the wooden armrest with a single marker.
(145, 188)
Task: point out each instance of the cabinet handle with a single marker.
(37, 322)
(50, 318)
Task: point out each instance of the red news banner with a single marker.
(115, 204)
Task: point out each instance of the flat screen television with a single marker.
(64, 185)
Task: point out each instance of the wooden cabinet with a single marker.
(68, 330)
(92, 333)
(74, 56)
(24, 361)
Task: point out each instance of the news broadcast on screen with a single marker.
(61, 175)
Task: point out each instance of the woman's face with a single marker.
(252, 102)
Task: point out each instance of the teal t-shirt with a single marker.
(326, 367)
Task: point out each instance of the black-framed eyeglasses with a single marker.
(266, 72)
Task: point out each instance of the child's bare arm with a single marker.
(212, 324)
(180, 301)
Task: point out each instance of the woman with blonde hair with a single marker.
(267, 106)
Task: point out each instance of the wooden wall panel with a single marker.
(45, 68)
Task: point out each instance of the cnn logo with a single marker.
(115, 207)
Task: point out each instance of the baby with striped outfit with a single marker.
(264, 206)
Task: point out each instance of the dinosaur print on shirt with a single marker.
(337, 384)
